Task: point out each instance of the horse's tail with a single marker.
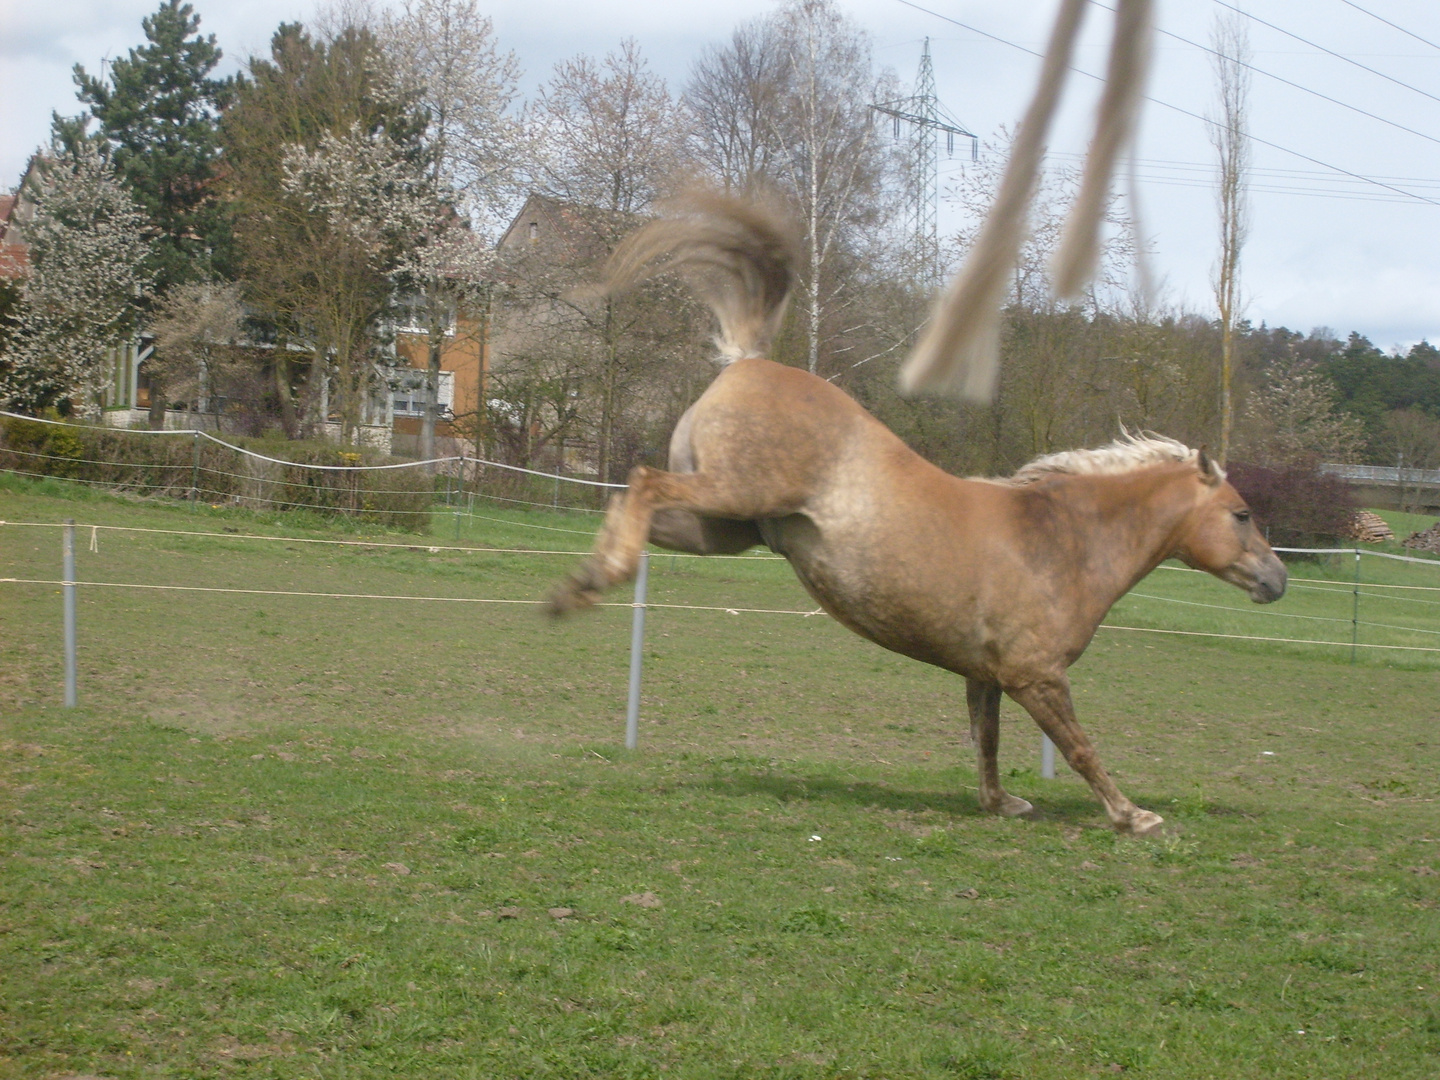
(738, 256)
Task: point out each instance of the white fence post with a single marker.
(637, 646)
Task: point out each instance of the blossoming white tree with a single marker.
(1295, 418)
(447, 61)
(381, 225)
(89, 271)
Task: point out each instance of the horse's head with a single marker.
(1220, 537)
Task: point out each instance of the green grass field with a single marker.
(290, 836)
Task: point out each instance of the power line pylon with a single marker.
(927, 119)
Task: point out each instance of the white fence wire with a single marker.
(69, 584)
(352, 489)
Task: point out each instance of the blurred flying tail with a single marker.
(737, 255)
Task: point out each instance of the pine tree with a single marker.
(157, 116)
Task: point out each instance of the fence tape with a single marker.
(1282, 640)
(308, 465)
(431, 548)
(672, 607)
(1358, 551)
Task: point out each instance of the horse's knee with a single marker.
(1083, 759)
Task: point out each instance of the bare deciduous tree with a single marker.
(1412, 438)
(732, 100)
(608, 135)
(1229, 135)
(1067, 367)
(787, 104)
(196, 328)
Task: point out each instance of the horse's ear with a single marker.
(1209, 471)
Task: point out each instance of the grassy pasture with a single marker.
(298, 837)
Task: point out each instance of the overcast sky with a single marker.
(1345, 207)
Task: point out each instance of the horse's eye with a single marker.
(1242, 516)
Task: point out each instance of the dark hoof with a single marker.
(569, 598)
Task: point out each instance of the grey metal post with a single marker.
(68, 588)
(559, 471)
(637, 645)
(1355, 611)
(195, 473)
(1047, 757)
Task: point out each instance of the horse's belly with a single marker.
(883, 598)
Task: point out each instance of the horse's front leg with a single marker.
(1048, 701)
(984, 701)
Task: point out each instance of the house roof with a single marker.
(15, 210)
(14, 252)
(581, 230)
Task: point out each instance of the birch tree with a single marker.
(90, 270)
(787, 103)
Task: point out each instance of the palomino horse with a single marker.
(1001, 581)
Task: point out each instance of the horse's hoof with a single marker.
(1008, 806)
(1142, 823)
(569, 598)
(1014, 806)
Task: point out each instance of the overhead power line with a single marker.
(1327, 52)
(1297, 182)
(1298, 86)
(1387, 22)
(1176, 108)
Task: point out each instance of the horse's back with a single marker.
(777, 430)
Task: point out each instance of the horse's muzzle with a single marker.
(1270, 578)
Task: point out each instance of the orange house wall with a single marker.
(466, 354)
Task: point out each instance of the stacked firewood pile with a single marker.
(1425, 540)
(1368, 528)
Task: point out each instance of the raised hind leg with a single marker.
(1048, 701)
(984, 701)
(680, 530)
(628, 525)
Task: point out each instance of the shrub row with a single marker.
(192, 467)
(1297, 505)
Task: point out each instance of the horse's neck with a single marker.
(1131, 522)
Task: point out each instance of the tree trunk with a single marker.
(288, 420)
(156, 419)
(607, 396)
(435, 343)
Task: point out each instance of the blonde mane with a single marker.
(1125, 454)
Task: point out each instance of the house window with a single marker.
(410, 400)
(534, 231)
(412, 316)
